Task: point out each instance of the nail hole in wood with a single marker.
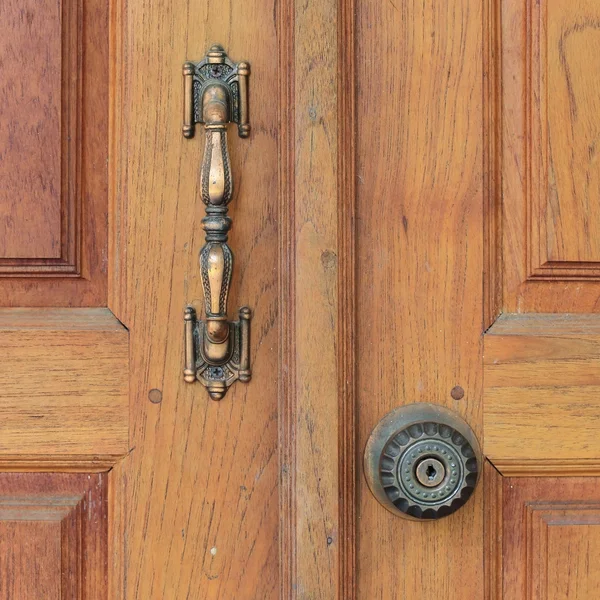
(155, 396)
(457, 393)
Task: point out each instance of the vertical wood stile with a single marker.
(347, 355)
(420, 253)
(201, 506)
(287, 300)
(492, 532)
(316, 288)
(492, 173)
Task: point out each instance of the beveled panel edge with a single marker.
(546, 467)
(50, 508)
(44, 463)
(539, 266)
(117, 162)
(71, 196)
(565, 271)
(545, 324)
(60, 319)
(492, 526)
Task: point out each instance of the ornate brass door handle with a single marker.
(217, 351)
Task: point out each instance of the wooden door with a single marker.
(415, 219)
(64, 371)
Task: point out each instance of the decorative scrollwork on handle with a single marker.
(217, 351)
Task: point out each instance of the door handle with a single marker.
(217, 351)
(422, 461)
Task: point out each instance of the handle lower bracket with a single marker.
(217, 351)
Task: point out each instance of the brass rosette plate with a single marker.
(422, 462)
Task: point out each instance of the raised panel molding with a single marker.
(563, 187)
(548, 467)
(540, 535)
(542, 107)
(53, 536)
(570, 523)
(43, 195)
(54, 221)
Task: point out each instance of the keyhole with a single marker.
(430, 472)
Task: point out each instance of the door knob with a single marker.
(217, 351)
(422, 461)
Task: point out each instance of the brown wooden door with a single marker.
(64, 368)
(415, 219)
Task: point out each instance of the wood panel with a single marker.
(64, 380)
(25, 544)
(563, 198)
(569, 58)
(53, 218)
(542, 378)
(571, 532)
(551, 184)
(419, 267)
(551, 531)
(53, 536)
(320, 530)
(201, 483)
(31, 110)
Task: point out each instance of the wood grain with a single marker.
(197, 498)
(22, 544)
(64, 380)
(57, 463)
(493, 533)
(117, 206)
(53, 537)
(117, 531)
(202, 480)
(31, 106)
(420, 265)
(316, 302)
(317, 239)
(553, 528)
(492, 163)
(550, 190)
(53, 222)
(569, 57)
(549, 467)
(542, 379)
(346, 335)
(562, 192)
(574, 533)
(287, 381)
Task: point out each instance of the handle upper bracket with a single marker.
(216, 67)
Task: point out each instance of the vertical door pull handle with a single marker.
(217, 351)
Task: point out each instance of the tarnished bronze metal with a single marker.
(217, 351)
(430, 472)
(422, 462)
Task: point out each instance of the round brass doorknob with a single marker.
(422, 461)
